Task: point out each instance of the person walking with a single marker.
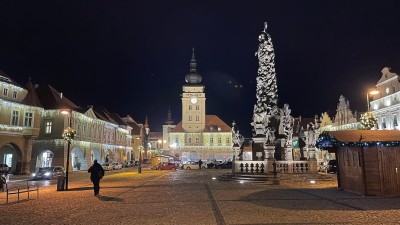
(96, 173)
(200, 163)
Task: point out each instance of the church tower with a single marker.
(193, 100)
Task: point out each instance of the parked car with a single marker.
(116, 165)
(48, 172)
(332, 166)
(224, 165)
(166, 166)
(193, 165)
(4, 168)
(107, 166)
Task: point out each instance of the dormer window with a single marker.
(5, 91)
(219, 128)
(14, 95)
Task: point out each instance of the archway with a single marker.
(78, 161)
(95, 155)
(44, 159)
(11, 155)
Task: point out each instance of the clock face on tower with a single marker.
(193, 100)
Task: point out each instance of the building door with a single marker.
(389, 160)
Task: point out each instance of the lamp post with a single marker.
(68, 135)
(373, 92)
(140, 148)
(160, 142)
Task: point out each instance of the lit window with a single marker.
(5, 91)
(14, 94)
(219, 140)
(15, 118)
(197, 140)
(48, 127)
(28, 121)
(211, 140)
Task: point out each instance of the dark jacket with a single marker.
(95, 171)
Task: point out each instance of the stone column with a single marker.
(269, 157)
(312, 160)
(26, 156)
(288, 153)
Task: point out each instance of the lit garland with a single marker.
(327, 140)
(68, 134)
(368, 120)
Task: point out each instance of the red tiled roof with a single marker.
(366, 135)
(212, 124)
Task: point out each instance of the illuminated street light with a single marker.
(373, 92)
(68, 135)
(161, 142)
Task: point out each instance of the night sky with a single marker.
(132, 56)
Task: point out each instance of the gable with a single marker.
(89, 113)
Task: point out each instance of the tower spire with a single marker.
(193, 63)
(193, 77)
(169, 120)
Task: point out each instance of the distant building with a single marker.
(20, 119)
(386, 105)
(197, 135)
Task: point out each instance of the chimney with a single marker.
(35, 86)
(61, 95)
(89, 106)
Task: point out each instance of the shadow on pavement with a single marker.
(80, 189)
(109, 199)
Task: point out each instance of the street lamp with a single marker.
(68, 135)
(160, 142)
(373, 92)
(140, 148)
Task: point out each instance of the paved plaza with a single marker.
(194, 197)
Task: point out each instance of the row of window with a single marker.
(197, 107)
(197, 140)
(108, 133)
(191, 118)
(28, 118)
(6, 91)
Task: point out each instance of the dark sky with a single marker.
(132, 56)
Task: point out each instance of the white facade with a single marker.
(386, 105)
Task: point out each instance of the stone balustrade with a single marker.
(260, 167)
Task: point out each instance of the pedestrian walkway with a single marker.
(194, 197)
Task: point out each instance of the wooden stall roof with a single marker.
(366, 135)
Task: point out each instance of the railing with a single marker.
(260, 167)
(251, 167)
(293, 166)
(20, 190)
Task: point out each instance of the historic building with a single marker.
(99, 134)
(199, 136)
(343, 119)
(386, 105)
(20, 119)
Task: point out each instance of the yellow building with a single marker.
(20, 118)
(199, 136)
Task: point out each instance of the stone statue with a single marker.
(311, 134)
(270, 135)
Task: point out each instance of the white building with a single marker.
(386, 104)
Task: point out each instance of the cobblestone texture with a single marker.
(193, 197)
